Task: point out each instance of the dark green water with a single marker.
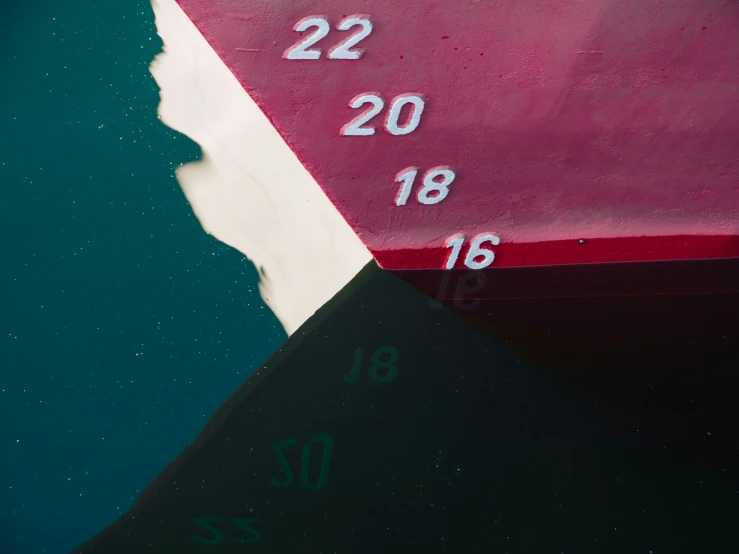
(123, 326)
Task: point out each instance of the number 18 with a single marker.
(430, 184)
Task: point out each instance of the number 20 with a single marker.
(342, 50)
(354, 127)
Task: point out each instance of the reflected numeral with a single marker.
(205, 523)
(245, 523)
(328, 448)
(218, 536)
(470, 283)
(278, 447)
(382, 370)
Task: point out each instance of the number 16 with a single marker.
(475, 252)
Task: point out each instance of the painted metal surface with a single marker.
(573, 131)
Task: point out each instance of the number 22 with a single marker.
(341, 51)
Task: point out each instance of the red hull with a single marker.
(557, 122)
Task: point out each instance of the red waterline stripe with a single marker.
(565, 252)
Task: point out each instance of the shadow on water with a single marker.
(123, 325)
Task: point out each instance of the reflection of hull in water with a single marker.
(459, 288)
(601, 322)
(588, 132)
(570, 421)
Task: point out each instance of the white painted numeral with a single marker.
(299, 51)
(415, 118)
(476, 251)
(354, 127)
(430, 184)
(406, 176)
(454, 242)
(342, 50)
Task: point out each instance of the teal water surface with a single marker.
(123, 325)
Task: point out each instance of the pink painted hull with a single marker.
(579, 131)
